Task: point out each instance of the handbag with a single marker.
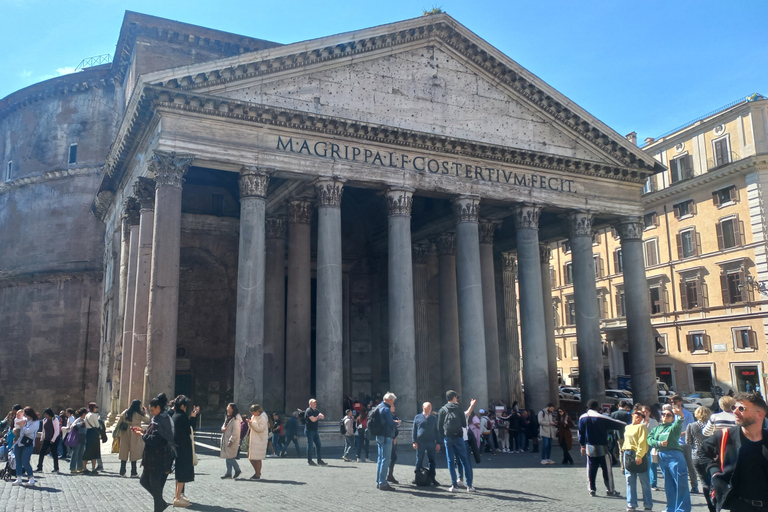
(630, 464)
(72, 439)
(116, 445)
(655, 455)
(25, 441)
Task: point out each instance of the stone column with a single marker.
(123, 362)
(642, 358)
(474, 375)
(549, 322)
(588, 337)
(509, 350)
(532, 321)
(490, 316)
(329, 333)
(144, 189)
(274, 315)
(298, 329)
(249, 330)
(420, 319)
(162, 327)
(400, 300)
(450, 355)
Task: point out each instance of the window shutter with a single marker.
(752, 335)
(565, 275)
(674, 170)
(734, 194)
(726, 291)
(716, 198)
(664, 299)
(677, 210)
(720, 242)
(688, 166)
(703, 292)
(679, 239)
(616, 262)
(619, 309)
(692, 207)
(689, 341)
(683, 296)
(739, 226)
(601, 267)
(655, 219)
(697, 243)
(744, 287)
(707, 342)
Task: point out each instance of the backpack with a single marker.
(452, 424)
(342, 427)
(375, 423)
(243, 429)
(422, 477)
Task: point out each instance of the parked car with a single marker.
(570, 393)
(614, 396)
(692, 401)
(664, 389)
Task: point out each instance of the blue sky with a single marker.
(637, 66)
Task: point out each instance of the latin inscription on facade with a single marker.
(424, 164)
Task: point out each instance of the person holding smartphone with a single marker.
(665, 438)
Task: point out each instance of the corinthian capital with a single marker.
(131, 211)
(253, 182)
(170, 168)
(466, 208)
(544, 252)
(509, 261)
(299, 211)
(527, 216)
(631, 228)
(487, 228)
(580, 224)
(328, 191)
(445, 243)
(399, 201)
(144, 190)
(276, 227)
(419, 254)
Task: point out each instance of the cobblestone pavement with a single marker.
(504, 481)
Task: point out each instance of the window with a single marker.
(552, 277)
(661, 344)
(574, 350)
(555, 314)
(618, 262)
(681, 168)
(658, 300)
(599, 270)
(570, 310)
(559, 353)
(8, 170)
(567, 246)
(688, 243)
(650, 185)
(744, 338)
(698, 342)
(725, 196)
(651, 220)
(72, 154)
(730, 232)
(735, 286)
(568, 273)
(685, 208)
(693, 291)
(595, 238)
(722, 154)
(601, 306)
(651, 252)
(621, 307)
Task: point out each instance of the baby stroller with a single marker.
(9, 471)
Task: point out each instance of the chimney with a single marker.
(649, 140)
(632, 137)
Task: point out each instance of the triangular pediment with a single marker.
(429, 75)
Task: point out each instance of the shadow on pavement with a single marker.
(265, 481)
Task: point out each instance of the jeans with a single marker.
(232, 465)
(522, 441)
(154, 483)
(675, 472)
(653, 473)
(313, 437)
(546, 447)
(54, 447)
(429, 449)
(349, 443)
(645, 484)
(23, 455)
(363, 445)
(277, 448)
(688, 454)
(566, 454)
(454, 446)
(295, 441)
(76, 462)
(382, 462)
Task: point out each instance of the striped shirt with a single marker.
(694, 436)
(719, 421)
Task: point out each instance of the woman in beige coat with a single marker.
(131, 445)
(230, 440)
(258, 439)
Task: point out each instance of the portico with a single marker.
(352, 237)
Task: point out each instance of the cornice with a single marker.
(53, 175)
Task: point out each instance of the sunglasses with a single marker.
(667, 414)
(638, 414)
(739, 408)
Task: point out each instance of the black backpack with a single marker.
(452, 425)
(375, 423)
(342, 427)
(422, 478)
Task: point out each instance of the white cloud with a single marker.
(25, 74)
(65, 70)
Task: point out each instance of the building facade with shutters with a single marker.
(705, 255)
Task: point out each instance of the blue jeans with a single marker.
(454, 446)
(382, 463)
(522, 442)
(546, 447)
(675, 471)
(653, 473)
(232, 465)
(645, 484)
(23, 455)
(76, 461)
(430, 451)
(363, 447)
(313, 437)
(277, 448)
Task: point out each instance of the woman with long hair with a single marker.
(159, 450)
(230, 440)
(51, 438)
(76, 457)
(182, 435)
(25, 445)
(565, 434)
(635, 460)
(258, 439)
(92, 438)
(131, 445)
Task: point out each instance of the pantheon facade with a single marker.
(345, 216)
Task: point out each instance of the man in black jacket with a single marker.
(426, 439)
(739, 467)
(452, 422)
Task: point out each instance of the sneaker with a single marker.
(311, 463)
(391, 479)
(613, 493)
(32, 482)
(18, 481)
(654, 488)
(592, 493)
(358, 459)
(551, 461)
(453, 488)
(237, 474)
(225, 477)
(181, 502)
(471, 489)
(544, 462)
(321, 463)
(461, 482)
(254, 477)
(346, 459)
(386, 487)
(631, 509)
